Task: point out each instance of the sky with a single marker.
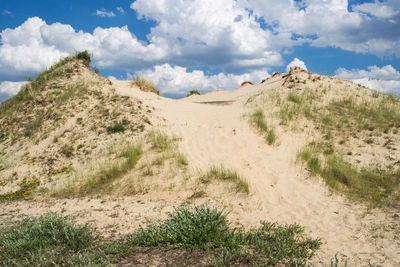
(182, 45)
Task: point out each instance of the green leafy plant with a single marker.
(49, 240)
(85, 56)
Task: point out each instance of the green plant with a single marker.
(67, 150)
(295, 98)
(222, 174)
(111, 172)
(207, 228)
(193, 92)
(116, 128)
(26, 187)
(159, 141)
(49, 240)
(258, 120)
(144, 84)
(271, 137)
(85, 57)
(373, 186)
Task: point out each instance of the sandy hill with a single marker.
(297, 148)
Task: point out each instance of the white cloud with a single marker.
(296, 63)
(332, 23)
(104, 13)
(376, 9)
(207, 32)
(385, 79)
(121, 10)
(226, 35)
(177, 80)
(10, 88)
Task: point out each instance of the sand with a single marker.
(214, 131)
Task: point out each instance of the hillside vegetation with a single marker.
(352, 133)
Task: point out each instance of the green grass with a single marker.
(116, 128)
(54, 240)
(373, 186)
(257, 119)
(222, 174)
(295, 98)
(49, 240)
(160, 141)
(208, 229)
(107, 175)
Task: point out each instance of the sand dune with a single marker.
(213, 129)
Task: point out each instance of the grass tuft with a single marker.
(159, 141)
(144, 84)
(222, 174)
(257, 119)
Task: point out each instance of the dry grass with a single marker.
(144, 84)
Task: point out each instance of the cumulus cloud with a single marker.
(376, 9)
(104, 13)
(178, 80)
(385, 79)
(333, 23)
(10, 88)
(234, 36)
(296, 63)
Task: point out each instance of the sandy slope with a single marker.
(216, 133)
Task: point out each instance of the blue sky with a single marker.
(204, 44)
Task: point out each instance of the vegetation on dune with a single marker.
(376, 187)
(144, 84)
(26, 188)
(193, 92)
(333, 119)
(153, 144)
(207, 229)
(109, 173)
(257, 119)
(51, 240)
(222, 174)
(85, 56)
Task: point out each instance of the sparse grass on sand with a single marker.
(374, 186)
(155, 144)
(257, 119)
(144, 84)
(222, 174)
(333, 118)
